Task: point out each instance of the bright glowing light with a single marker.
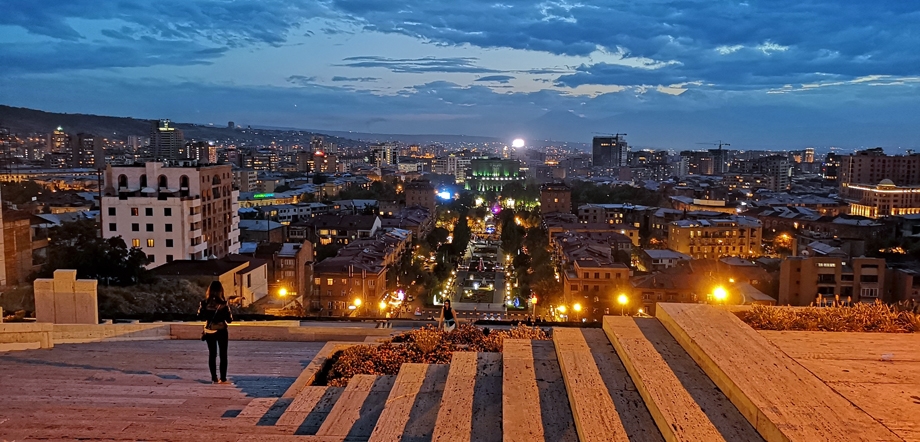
(282, 292)
(577, 307)
(357, 302)
(622, 300)
(518, 142)
(479, 201)
(445, 195)
(533, 300)
(561, 309)
(720, 294)
(383, 305)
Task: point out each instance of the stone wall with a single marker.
(66, 299)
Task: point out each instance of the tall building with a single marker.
(166, 141)
(555, 197)
(610, 151)
(87, 151)
(776, 169)
(386, 154)
(58, 141)
(872, 166)
(172, 212)
(831, 167)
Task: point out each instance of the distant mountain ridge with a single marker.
(28, 121)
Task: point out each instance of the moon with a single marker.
(518, 142)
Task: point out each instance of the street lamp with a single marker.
(282, 292)
(577, 308)
(622, 300)
(383, 306)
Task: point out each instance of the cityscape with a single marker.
(510, 260)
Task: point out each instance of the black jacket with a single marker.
(215, 314)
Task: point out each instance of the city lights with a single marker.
(719, 294)
(518, 142)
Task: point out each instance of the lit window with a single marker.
(329, 281)
(135, 243)
(134, 211)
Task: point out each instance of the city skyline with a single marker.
(781, 76)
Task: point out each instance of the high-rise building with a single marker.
(610, 151)
(58, 141)
(872, 166)
(386, 154)
(172, 212)
(776, 169)
(87, 151)
(831, 167)
(166, 141)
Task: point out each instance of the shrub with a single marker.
(427, 345)
(841, 317)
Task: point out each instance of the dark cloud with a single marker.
(496, 78)
(355, 79)
(734, 44)
(419, 65)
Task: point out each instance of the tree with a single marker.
(437, 237)
(462, 235)
(77, 245)
(21, 193)
(324, 251)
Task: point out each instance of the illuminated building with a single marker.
(166, 141)
(555, 197)
(492, 174)
(872, 166)
(610, 151)
(803, 280)
(714, 238)
(884, 199)
(172, 212)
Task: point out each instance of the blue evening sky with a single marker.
(775, 74)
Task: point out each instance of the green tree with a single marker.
(77, 245)
(462, 235)
(20, 193)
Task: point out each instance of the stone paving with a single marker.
(145, 390)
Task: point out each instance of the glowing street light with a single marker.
(719, 294)
(282, 292)
(577, 307)
(357, 302)
(622, 300)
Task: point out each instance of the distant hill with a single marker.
(27, 121)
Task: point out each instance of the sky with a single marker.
(777, 74)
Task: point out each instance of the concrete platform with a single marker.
(151, 390)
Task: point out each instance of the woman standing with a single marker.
(216, 312)
(448, 319)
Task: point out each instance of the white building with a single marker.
(173, 212)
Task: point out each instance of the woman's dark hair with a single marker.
(446, 303)
(215, 293)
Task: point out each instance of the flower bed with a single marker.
(838, 317)
(426, 345)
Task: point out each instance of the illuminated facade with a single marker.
(882, 200)
(492, 174)
(715, 238)
(872, 166)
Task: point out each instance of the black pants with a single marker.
(214, 341)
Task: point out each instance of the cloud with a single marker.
(355, 79)
(418, 65)
(496, 78)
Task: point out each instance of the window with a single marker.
(150, 227)
(167, 211)
(317, 281)
(150, 242)
(151, 259)
(606, 276)
(597, 275)
(169, 243)
(113, 227)
(370, 283)
(134, 211)
(574, 287)
(868, 278)
(584, 288)
(595, 288)
(135, 227)
(135, 242)
(169, 227)
(357, 282)
(329, 281)
(111, 211)
(827, 264)
(169, 258)
(248, 280)
(148, 211)
(586, 275)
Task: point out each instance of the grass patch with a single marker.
(837, 317)
(427, 345)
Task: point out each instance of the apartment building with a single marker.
(802, 281)
(555, 197)
(171, 212)
(714, 238)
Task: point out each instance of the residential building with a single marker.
(290, 266)
(420, 193)
(261, 231)
(555, 197)
(86, 151)
(871, 166)
(714, 238)
(339, 229)
(630, 214)
(824, 279)
(776, 170)
(340, 281)
(651, 260)
(180, 211)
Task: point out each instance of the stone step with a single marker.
(309, 409)
(412, 406)
(471, 404)
(781, 398)
(263, 411)
(684, 403)
(532, 386)
(596, 417)
(357, 409)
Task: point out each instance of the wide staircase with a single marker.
(693, 373)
